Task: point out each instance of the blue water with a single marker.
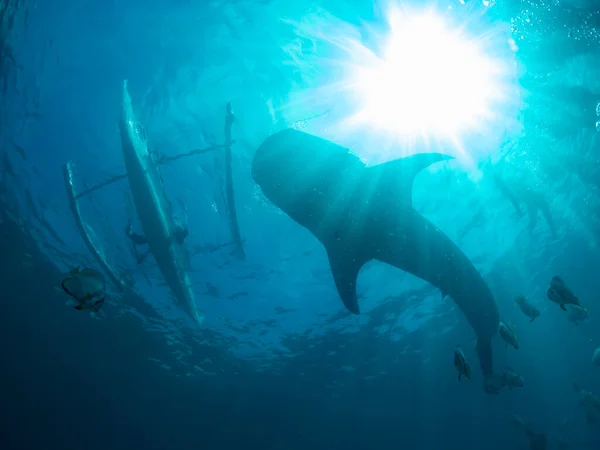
(278, 362)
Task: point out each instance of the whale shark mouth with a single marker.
(362, 213)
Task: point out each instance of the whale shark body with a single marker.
(153, 208)
(362, 213)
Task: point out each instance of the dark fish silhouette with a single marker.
(87, 287)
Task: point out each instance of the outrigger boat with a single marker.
(154, 209)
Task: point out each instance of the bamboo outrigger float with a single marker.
(94, 250)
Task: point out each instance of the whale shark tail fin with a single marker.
(492, 382)
(397, 176)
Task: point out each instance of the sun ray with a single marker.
(419, 79)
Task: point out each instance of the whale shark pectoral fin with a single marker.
(345, 268)
(398, 175)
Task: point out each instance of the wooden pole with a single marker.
(229, 192)
(163, 160)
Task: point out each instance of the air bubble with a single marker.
(598, 126)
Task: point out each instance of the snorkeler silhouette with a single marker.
(180, 234)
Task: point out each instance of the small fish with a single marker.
(577, 314)
(87, 287)
(559, 293)
(508, 336)
(528, 309)
(511, 379)
(461, 364)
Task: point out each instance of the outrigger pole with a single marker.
(162, 160)
(230, 197)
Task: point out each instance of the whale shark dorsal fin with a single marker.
(345, 268)
(398, 175)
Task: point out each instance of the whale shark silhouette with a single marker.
(362, 213)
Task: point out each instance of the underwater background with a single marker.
(278, 362)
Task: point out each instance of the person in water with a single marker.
(137, 240)
(180, 234)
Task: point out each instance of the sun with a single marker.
(420, 75)
(429, 80)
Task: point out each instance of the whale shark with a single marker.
(362, 213)
(154, 209)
